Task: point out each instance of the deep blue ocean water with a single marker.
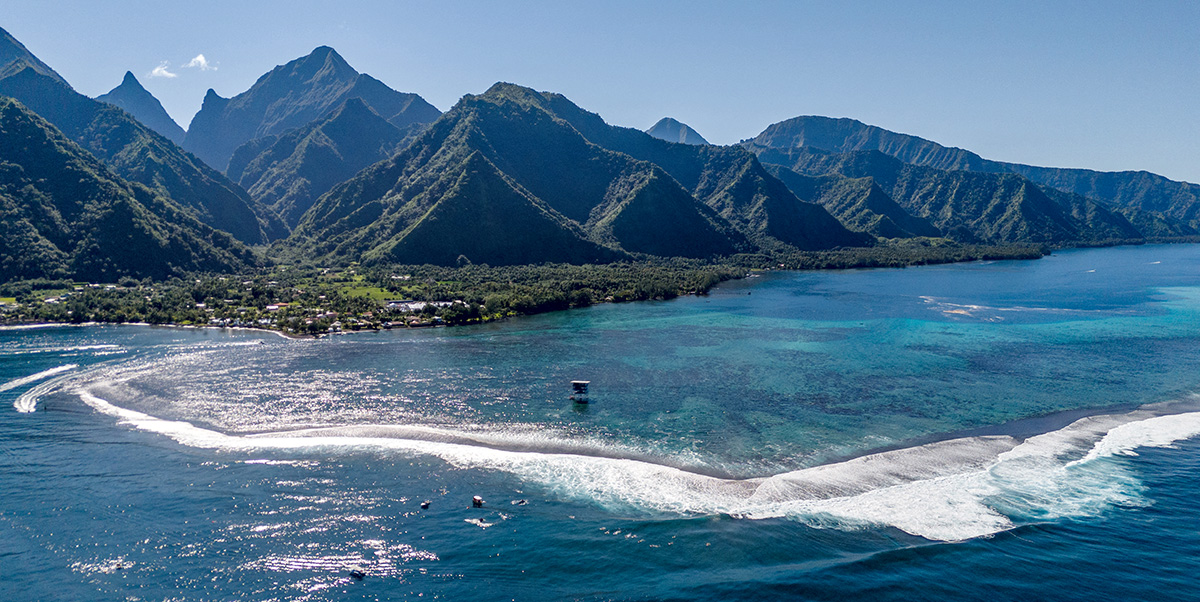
(1001, 430)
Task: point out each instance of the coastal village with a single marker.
(319, 301)
(315, 309)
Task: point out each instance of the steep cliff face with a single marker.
(66, 215)
(144, 107)
(139, 154)
(297, 167)
(291, 96)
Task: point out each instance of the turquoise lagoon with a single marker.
(1015, 430)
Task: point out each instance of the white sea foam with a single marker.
(32, 378)
(33, 326)
(949, 490)
(63, 349)
(960, 309)
(1159, 431)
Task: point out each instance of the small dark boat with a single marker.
(580, 391)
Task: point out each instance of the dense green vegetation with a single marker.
(515, 176)
(138, 154)
(289, 172)
(970, 207)
(309, 300)
(64, 214)
(317, 300)
(729, 180)
(859, 203)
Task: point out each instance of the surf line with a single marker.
(944, 491)
(32, 378)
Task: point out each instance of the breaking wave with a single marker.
(949, 490)
(32, 378)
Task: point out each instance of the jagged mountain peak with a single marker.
(290, 96)
(673, 130)
(134, 151)
(323, 61)
(136, 100)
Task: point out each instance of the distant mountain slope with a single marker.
(672, 130)
(64, 214)
(144, 107)
(859, 203)
(14, 57)
(969, 206)
(1155, 204)
(291, 96)
(730, 180)
(539, 192)
(302, 164)
(137, 153)
(842, 135)
(1150, 197)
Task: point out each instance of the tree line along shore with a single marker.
(313, 301)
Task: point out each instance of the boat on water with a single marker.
(579, 391)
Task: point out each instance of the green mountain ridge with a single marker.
(143, 106)
(859, 203)
(65, 214)
(291, 96)
(473, 211)
(139, 154)
(729, 180)
(297, 167)
(968, 206)
(14, 57)
(608, 200)
(1150, 200)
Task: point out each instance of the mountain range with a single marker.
(1157, 205)
(65, 214)
(329, 165)
(595, 190)
(138, 154)
(969, 207)
(290, 96)
(290, 171)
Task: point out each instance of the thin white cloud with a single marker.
(162, 70)
(201, 63)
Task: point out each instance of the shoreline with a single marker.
(40, 325)
(748, 271)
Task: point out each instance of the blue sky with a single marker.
(1102, 85)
